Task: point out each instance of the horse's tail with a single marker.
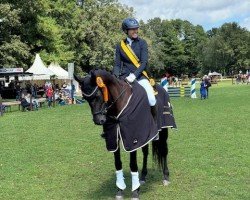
(160, 148)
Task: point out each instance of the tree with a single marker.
(227, 49)
(13, 52)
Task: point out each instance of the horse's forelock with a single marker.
(88, 84)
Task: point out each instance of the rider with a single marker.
(125, 67)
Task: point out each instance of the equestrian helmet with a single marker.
(130, 23)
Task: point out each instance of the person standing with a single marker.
(49, 94)
(203, 90)
(18, 92)
(207, 83)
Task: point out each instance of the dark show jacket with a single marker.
(123, 65)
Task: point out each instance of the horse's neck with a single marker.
(116, 88)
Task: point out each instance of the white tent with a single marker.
(58, 71)
(62, 74)
(214, 74)
(39, 70)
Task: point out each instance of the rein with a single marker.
(105, 106)
(105, 110)
(92, 93)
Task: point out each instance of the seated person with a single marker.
(61, 101)
(25, 104)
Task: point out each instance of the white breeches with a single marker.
(150, 91)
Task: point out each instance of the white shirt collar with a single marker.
(129, 41)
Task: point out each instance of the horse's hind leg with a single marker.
(135, 176)
(119, 175)
(144, 170)
(164, 151)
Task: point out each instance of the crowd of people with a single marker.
(54, 93)
(28, 93)
(243, 78)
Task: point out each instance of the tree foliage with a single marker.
(64, 32)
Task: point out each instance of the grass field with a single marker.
(58, 153)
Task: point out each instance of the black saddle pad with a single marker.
(135, 126)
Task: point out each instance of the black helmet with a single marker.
(130, 23)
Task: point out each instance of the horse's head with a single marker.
(105, 94)
(93, 94)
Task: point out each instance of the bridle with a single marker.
(92, 93)
(104, 110)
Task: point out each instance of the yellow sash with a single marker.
(133, 58)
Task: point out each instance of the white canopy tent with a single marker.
(214, 74)
(62, 74)
(58, 71)
(39, 70)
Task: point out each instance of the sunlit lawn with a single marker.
(58, 153)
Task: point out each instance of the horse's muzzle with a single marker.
(99, 119)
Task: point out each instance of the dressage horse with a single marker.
(107, 96)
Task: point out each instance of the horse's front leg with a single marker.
(135, 176)
(144, 170)
(119, 175)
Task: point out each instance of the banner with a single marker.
(11, 70)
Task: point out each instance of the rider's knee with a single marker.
(152, 101)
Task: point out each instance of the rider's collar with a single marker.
(129, 40)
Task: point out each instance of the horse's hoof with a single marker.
(166, 182)
(119, 198)
(119, 195)
(143, 179)
(135, 194)
(142, 182)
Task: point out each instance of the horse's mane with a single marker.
(107, 77)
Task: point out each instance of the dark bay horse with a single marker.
(107, 96)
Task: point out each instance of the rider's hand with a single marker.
(131, 78)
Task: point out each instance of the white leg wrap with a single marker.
(120, 180)
(135, 181)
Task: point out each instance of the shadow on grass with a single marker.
(108, 188)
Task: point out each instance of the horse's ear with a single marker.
(92, 73)
(78, 79)
(92, 76)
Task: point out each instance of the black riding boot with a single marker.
(154, 111)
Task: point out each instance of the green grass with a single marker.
(58, 153)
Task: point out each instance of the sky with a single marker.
(208, 13)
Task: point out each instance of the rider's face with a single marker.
(133, 33)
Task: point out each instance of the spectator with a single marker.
(49, 94)
(203, 90)
(64, 85)
(207, 83)
(18, 91)
(35, 88)
(25, 104)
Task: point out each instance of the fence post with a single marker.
(193, 92)
(182, 91)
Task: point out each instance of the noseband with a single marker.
(104, 110)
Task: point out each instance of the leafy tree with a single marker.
(13, 52)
